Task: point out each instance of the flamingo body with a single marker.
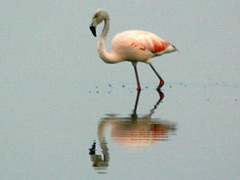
(134, 46)
(139, 46)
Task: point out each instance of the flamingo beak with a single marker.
(93, 30)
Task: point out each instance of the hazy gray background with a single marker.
(54, 89)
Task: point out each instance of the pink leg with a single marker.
(161, 81)
(137, 78)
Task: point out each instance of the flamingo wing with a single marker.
(142, 40)
(150, 42)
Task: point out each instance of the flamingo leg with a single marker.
(137, 78)
(161, 83)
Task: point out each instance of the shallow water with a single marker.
(67, 115)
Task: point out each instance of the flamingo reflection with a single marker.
(131, 131)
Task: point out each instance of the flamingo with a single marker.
(132, 45)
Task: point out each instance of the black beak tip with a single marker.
(93, 30)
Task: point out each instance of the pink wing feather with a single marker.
(138, 45)
(148, 41)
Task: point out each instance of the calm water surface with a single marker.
(64, 114)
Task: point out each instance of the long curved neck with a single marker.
(103, 144)
(105, 56)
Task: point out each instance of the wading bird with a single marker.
(134, 46)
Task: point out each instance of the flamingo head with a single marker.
(98, 17)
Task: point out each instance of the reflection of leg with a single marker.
(134, 115)
(161, 95)
(161, 83)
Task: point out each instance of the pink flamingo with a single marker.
(134, 46)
